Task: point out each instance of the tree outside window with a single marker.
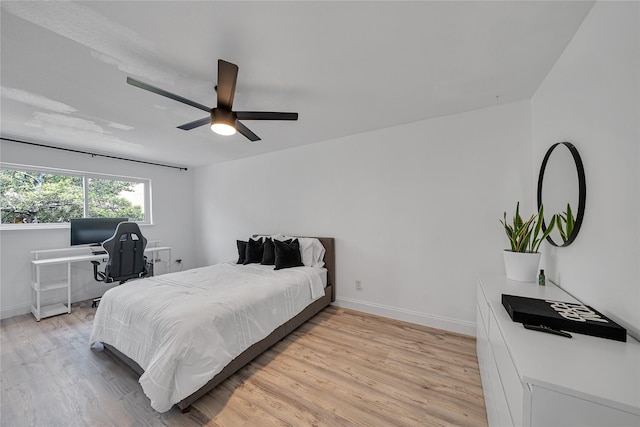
(111, 199)
(32, 196)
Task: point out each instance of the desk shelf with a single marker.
(38, 286)
(50, 310)
(49, 286)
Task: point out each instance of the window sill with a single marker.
(12, 227)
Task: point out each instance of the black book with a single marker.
(566, 316)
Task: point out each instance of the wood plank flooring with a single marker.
(342, 368)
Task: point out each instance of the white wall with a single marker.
(414, 208)
(591, 98)
(172, 206)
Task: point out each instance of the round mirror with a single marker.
(562, 191)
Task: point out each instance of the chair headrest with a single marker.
(125, 231)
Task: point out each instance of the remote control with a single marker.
(542, 328)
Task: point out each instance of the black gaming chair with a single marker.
(126, 256)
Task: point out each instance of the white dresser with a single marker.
(536, 379)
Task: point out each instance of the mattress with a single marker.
(183, 328)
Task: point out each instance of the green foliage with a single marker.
(38, 197)
(105, 200)
(523, 235)
(565, 222)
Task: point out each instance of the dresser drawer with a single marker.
(495, 401)
(483, 307)
(511, 384)
(575, 411)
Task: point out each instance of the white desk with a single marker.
(69, 256)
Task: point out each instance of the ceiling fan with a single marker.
(222, 119)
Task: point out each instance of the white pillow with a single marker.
(318, 253)
(311, 251)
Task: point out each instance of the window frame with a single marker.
(86, 176)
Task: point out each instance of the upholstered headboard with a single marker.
(330, 263)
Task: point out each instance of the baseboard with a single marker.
(424, 319)
(15, 310)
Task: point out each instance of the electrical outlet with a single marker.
(358, 285)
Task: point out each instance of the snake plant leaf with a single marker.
(509, 230)
(512, 233)
(517, 219)
(538, 226)
(570, 221)
(524, 243)
(561, 219)
(524, 235)
(549, 229)
(507, 227)
(534, 245)
(546, 233)
(563, 234)
(528, 233)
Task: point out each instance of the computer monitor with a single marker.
(93, 231)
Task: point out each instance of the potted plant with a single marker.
(522, 260)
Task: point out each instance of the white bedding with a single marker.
(183, 328)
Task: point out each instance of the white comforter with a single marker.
(183, 328)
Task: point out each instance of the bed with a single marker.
(161, 326)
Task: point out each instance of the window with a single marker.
(32, 195)
(116, 198)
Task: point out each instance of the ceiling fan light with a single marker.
(223, 121)
(223, 129)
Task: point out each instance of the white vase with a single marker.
(521, 266)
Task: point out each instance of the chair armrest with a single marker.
(97, 275)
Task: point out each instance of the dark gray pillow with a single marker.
(242, 250)
(287, 254)
(254, 251)
(269, 254)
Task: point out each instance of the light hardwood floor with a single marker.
(341, 368)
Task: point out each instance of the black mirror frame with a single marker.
(582, 191)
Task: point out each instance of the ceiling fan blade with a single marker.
(196, 123)
(163, 92)
(265, 115)
(227, 76)
(246, 132)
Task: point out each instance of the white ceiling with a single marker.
(345, 67)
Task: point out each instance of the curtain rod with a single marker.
(92, 154)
